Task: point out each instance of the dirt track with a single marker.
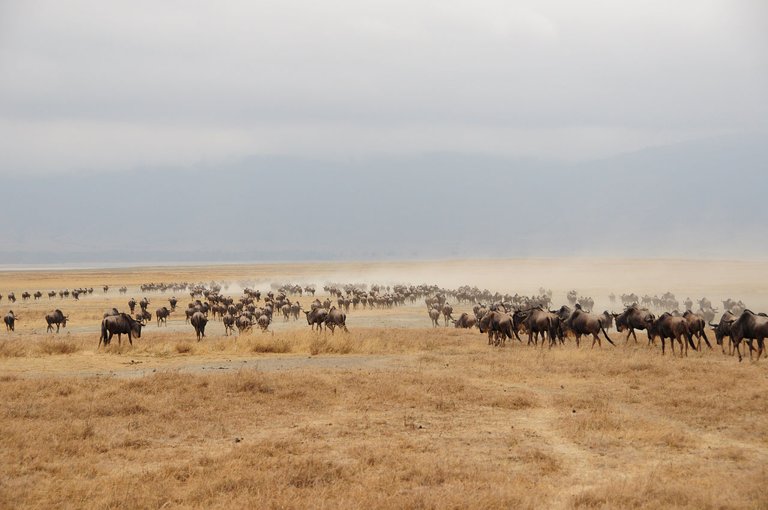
(90, 364)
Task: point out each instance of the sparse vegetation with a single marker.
(379, 417)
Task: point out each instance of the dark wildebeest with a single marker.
(633, 318)
(132, 304)
(723, 329)
(199, 321)
(162, 315)
(750, 326)
(499, 327)
(143, 315)
(37, 295)
(173, 302)
(11, 297)
(538, 322)
(698, 327)
(229, 323)
(144, 303)
(119, 325)
(243, 324)
(316, 316)
(465, 321)
(673, 328)
(336, 318)
(447, 311)
(106, 288)
(56, 317)
(51, 294)
(583, 323)
(10, 321)
(607, 319)
(434, 314)
(25, 296)
(295, 310)
(263, 322)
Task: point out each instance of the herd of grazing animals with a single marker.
(501, 317)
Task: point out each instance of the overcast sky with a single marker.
(110, 85)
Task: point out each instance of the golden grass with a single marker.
(378, 417)
(440, 427)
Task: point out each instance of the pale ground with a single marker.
(394, 414)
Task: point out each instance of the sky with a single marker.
(89, 86)
(294, 129)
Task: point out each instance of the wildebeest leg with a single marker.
(578, 340)
(689, 338)
(663, 345)
(596, 339)
(634, 335)
(760, 347)
(704, 334)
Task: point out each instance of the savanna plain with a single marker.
(393, 414)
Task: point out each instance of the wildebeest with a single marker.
(607, 319)
(465, 321)
(317, 317)
(295, 310)
(37, 295)
(114, 311)
(667, 326)
(132, 304)
(434, 314)
(144, 315)
(198, 321)
(723, 329)
(263, 322)
(499, 327)
(56, 317)
(750, 326)
(447, 311)
(633, 318)
(229, 323)
(173, 302)
(538, 322)
(698, 327)
(11, 297)
(583, 323)
(144, 303)
(10, 321)
(243, 324)
(119, 325)
(51, 294)
(336, 318)
(162, 315)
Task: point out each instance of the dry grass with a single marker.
(380, 417)
(483, 427)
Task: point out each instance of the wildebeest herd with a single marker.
(501, 317)
(508, 317)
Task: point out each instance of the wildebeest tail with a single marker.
(103, 337)
(604, 333)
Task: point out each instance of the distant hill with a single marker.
(696, 199)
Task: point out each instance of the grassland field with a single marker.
(394, 414)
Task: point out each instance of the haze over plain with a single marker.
(138, 132)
